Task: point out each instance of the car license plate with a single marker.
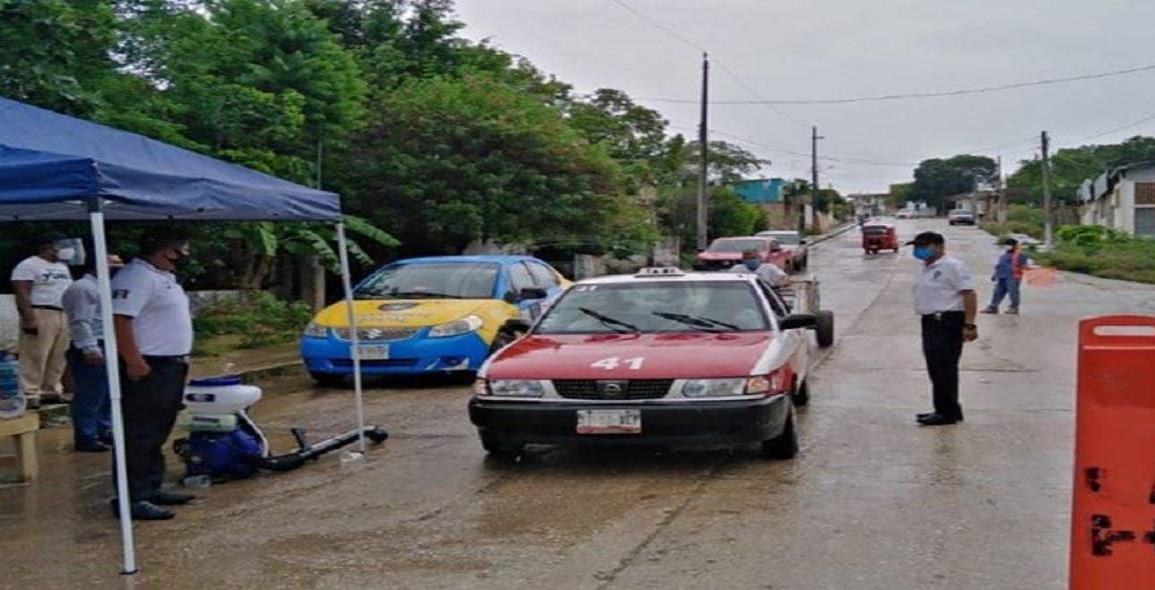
(609, 421)
(375, 352)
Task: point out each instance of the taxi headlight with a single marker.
(713, 387)
(315, 330)
(465, 325)
(515, 388)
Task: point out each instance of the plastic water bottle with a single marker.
(12, 402)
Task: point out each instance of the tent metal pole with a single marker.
(112, 366)
(354, 334)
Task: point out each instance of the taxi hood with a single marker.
(402, 313)
(663, 356)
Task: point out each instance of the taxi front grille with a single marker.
(378, 334)
(636, 389)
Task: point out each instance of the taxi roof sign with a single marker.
(661, 271)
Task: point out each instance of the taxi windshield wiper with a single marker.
(696, 321)
(610, 322)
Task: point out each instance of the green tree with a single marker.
(936, 179)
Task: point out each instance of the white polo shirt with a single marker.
(49, 280)
(158, 306)
(940, 285)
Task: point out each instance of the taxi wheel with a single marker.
(493, 445)
(801, 394)
(825, 331)
(783, 446)
(328, 379)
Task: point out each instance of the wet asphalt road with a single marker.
(873, 501)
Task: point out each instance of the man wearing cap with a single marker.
(39, 282)
(769, 273)
(945, 299)
(153, 326)
(1008, 277)
(91, 407)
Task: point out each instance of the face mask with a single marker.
(923, 252)
(751, 264)
(65, 254)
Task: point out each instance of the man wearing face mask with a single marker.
(91, 407)
(39, 283)
(946, 300)
(153, 327)
(770, 274)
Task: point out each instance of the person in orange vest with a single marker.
(1008, 277)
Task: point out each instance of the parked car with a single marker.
(724, 253)
(877, 237)
(904, 214)
(657, 358)
(960, 217)
(429, 315)
(794, 245)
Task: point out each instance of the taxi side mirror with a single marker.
(529, 294)
(798, 320)
(516, 326)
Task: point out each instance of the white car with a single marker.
(960, 217)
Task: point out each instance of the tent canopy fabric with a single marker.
(52, 166)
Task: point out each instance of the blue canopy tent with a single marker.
(56, 167)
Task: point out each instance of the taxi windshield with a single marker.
(737, 245)
(785, 238)
(656, 307)
(440, 280)
(874, 230)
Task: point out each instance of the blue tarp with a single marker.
(52, 166)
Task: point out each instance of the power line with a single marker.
(916, 95)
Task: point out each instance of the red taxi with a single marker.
(658, 358)
(724, 253)
(879, 236)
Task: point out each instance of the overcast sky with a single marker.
(804, 49)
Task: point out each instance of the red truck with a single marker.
(724, 253)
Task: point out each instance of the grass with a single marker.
(256, 321)
(1128, 259)
(1020, 220)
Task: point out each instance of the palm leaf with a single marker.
(365, 229)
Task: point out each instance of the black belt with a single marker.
(52, 307)
(178, 359)
(943, 314)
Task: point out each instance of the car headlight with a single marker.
(713, 387)
(465, 325)
(315, 330)
(515, 388)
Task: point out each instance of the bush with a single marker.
(1021, 219)
(1103, 252)
(259, 319)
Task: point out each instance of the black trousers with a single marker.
(942, 345)
(150, 407)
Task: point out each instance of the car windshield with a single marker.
(737, 245)
(874, 230)
(656, 307)
(440, 280)
(784, 238)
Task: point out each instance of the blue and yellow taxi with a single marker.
(434, 315)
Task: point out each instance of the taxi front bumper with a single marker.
(710, 423)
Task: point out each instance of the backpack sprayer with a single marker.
(224, 443)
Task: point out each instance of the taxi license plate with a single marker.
(375, 352)
(609, 421)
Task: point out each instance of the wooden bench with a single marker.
(23, 433)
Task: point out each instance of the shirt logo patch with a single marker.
(120, 293)
(937, 274)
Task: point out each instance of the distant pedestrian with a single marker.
(946, 301)
(90, 403)
(154, 335)
(39, 282)
(1008, 277)
(770, 274)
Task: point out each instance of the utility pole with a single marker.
(814, 137)
(1048, 230)
(703, 139)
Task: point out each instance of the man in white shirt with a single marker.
(91, 407)
(769, 273)
(153, 326)
(946, 300)
(39, 283)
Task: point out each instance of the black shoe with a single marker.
(106, 438)
(921, 417)
(163, 498)
(142, 510)
(91, 446)
(937, 420)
